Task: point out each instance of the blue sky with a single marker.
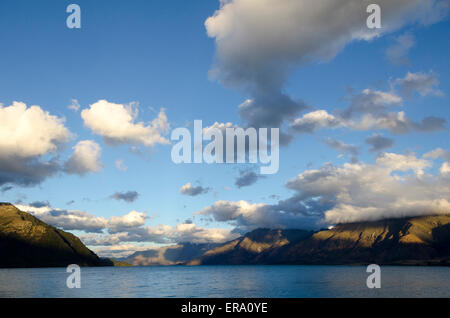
(159, 54)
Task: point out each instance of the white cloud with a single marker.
(163, 234)
(116, 124)
(189, 189)
(30, 131)
(130, 220)
(440, 153)
(247, 216)
(361, 192)
(260, 42)
(85, 158)
(315, 120)
(370, 109)
(397, 162)
(67, 219)
(120, 165)
(422, 83)
(75, 106)
(398, 53)
(260, 37)
(26, 135)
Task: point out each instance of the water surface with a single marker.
(227, 281)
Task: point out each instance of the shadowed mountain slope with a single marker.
(25, 241)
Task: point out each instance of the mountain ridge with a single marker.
(423, 240)
(26, 241)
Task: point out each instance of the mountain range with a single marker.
(25, 241)
(423, 240)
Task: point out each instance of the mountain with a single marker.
(251, 248)
(168, 255)
(26, 241)
(421, 240)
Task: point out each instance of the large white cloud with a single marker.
(394, 186)
(258, 42)
(116, 124)
(85, 158)
(27, 134)
(130, 220)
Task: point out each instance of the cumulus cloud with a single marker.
(395, 185)
(85, 158)
(371, 102)
(39, 204)
(342, 147)
(27, 135)
(190, 190)
(440, 153)
(371, 109)
(67, 219)
(422, 83)
(116, 124)
(247, 178)
(163, 234)
(358, 192)
(379, 143)
(398, 53)
(246, 216)
(128, 196)
(315, 120)
(259, 42)
(130, 220)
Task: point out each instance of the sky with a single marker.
(87, 113)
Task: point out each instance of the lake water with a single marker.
(227, 281)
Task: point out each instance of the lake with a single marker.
(227, 281)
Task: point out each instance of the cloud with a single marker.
(163, 234)
(342, 147)
(116, 124)
(126, 228)
(85, 158)
(190, 190)
(67, 219)
(130, 220)
(129, 196)
(362, 192)
(371, 102)
(378, 142)
(440, 153)
(260, 42)
(247, 216)
(120, 165)
(30, 139)
(247, 178)
(6, 188)
(371, 109)
(39, 204)
(75, 106)
(422, 83)
(397, 162)
(395, 185)
(397, 54)
(315, 120)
